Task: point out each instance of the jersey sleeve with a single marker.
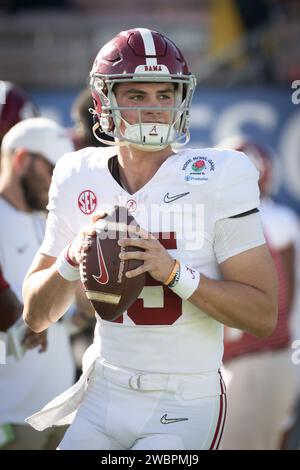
(234, 236)
(238, 190)
(58, 233)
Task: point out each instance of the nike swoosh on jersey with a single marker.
(165, 420)
(103, 274)
(169, 198)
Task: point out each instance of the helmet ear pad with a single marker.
(107, 124)
(103, 119)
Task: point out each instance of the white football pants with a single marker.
(145, 413)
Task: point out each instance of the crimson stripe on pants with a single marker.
(222, 415)
(224, 419)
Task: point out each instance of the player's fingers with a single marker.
(138, 242)
(88, 230)
(134, 255)
(140, 270)
(138, 231)
(87, 243)
(91, 231)
(84, 230)
(97, 216)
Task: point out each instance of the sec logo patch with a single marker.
(87, 202)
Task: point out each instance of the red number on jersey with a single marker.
(170, 305)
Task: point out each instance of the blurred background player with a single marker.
(83, 135)
(292, 438)
(29, 152)
(261, 388)
(15, 105)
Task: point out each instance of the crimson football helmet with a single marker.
(260, 155)
(141, 55)
(14, 107)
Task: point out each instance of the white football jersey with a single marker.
(29, 383)
(20, 236)
(181, 204)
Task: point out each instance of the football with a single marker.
(103, 272)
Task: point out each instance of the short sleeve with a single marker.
(234, 236)
(238, 190)
(58, 233)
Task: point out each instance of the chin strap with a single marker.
(149, 136)
(145, 148)
(95, 128)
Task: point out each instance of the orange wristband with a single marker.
(172, 273)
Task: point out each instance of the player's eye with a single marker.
(136, 97)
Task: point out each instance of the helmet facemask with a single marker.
(149, 136)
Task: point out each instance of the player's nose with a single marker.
(153, 101)
(155, 112)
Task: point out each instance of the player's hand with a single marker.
(157, 261)
(36, 340)
(83, 240)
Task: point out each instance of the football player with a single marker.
(15, 106)
(29, 151)
(154, 373)
(266, 364)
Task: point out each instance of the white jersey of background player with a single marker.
(155, 382)
(252, 360)
(29, 151)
